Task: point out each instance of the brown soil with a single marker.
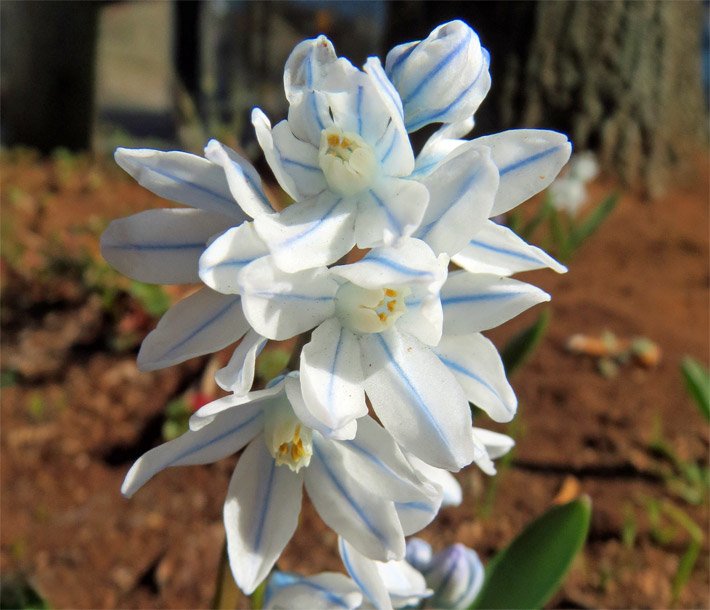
(78, 413)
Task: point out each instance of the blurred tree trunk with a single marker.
(48, 56)
(620, 77)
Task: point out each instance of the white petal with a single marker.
(461, 193)
(452, 493)
(228, 255)
(412, 262)
(441, 79)
(260, 514)
(264, 398)
(243, 179)
(415, 515)
(473, 302)
(310, 233)
(497, 249)
(392, 209)
(262, 128)
(181, 177)
(299, 160)
(320, 592)
(364, 572)
(238, 375)
(528, 161)
(456, 574)
(161, 246)
(227, 434)
(496, 444)
(441, 143)
(280, 305)
(417, 399)
(201, 323)
(347, 504)
(307, 66)
(424, 317)
(331, 378)
(383, 124)
(313, 111)
(377, 458)
(405, 584)
(477, 366)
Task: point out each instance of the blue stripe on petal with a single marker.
(390, 148)
(256, 188)
(443, 62)
(332, 378)
(313, 227)
(359, 110)
(353, 573)
(505, 251)
(395, 67)
(528, 160)
(292, 297)
(400, 268)
(217, 316)
(421, 506)
(348, 498)
(471, 298)
(229, 262)
(390, 217)
(233, 208)
(460, 368)
(225, 434)
(434, 115)
(412, 390)
(262, 515)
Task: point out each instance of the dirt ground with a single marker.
(76, 412)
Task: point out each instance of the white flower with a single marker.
(164, 246)
(373, 584)
(384, 584)
(455, 574)
(569, 193)
(358, 486)
(343, 155)
(378, 332)
(442, 79)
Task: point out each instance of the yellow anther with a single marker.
(391, 305)
(345, 143)
(333, 139)
(283, 448)
(390, 293)
(382, 316)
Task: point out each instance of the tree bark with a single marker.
(620, 77)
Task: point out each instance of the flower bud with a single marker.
(442, 79)
(456, 575)
(418, 553)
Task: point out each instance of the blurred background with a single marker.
(605, 408)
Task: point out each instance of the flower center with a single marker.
(288, 440)
(366, 310)
(347, 161)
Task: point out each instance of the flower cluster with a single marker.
(378, 412)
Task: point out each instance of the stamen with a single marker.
(390, 293)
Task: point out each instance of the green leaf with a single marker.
(522, 345)
(151, 297)
(530, 571)
(592, 222)
(697, 380)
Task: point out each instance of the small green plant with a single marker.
(697, 381)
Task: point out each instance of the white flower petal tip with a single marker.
(161, 246)
(419, 553)
(498, 250)
(181, 177)
(202, 323)
(528, 160)
(242, 178)
(476, 302)
(238, 375)
(456, 576)
(441, 79)
(477, 366)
